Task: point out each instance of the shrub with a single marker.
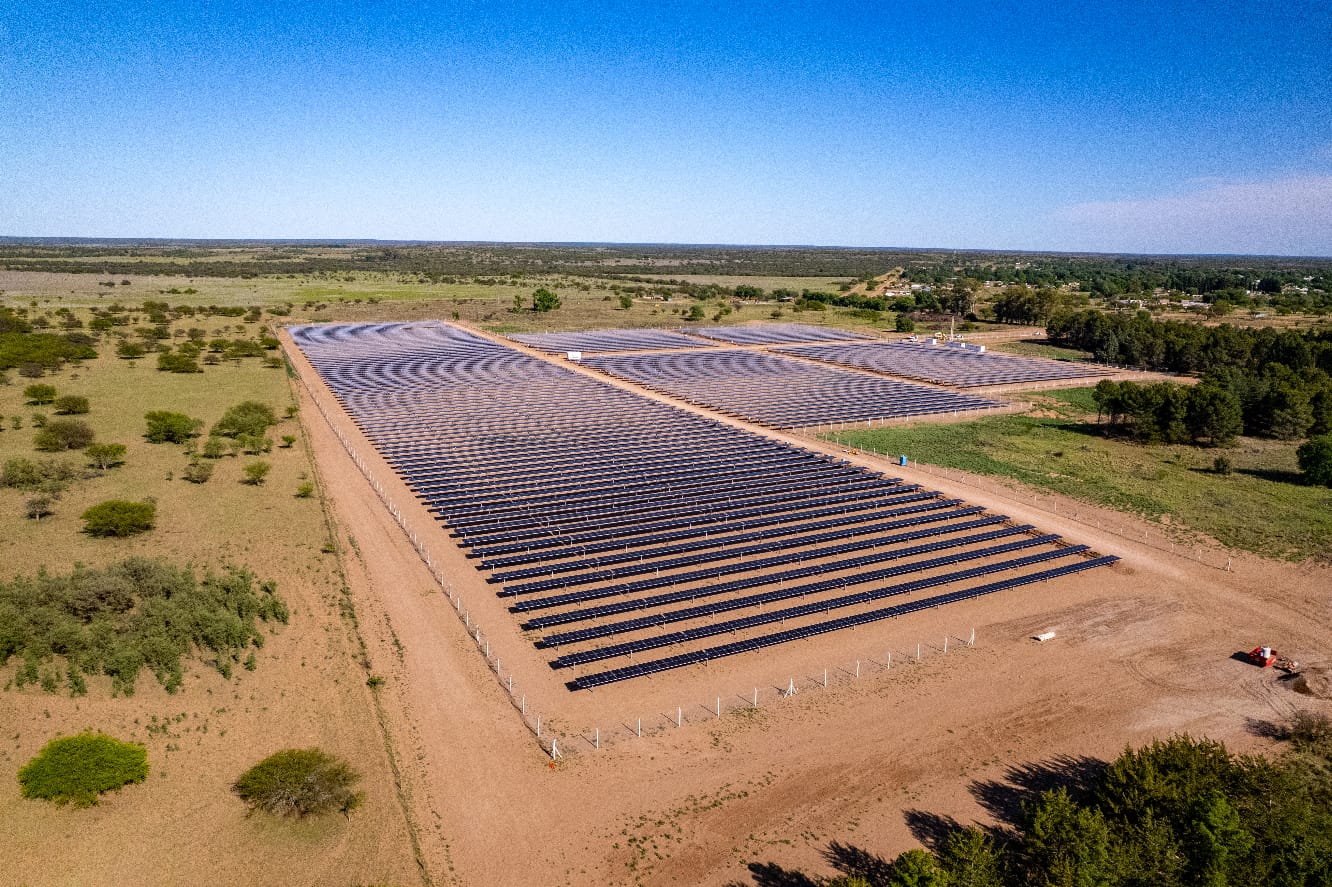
(626, 302)
(63, 434)
(104, 456)
(214, 448)
(79, 768)
(1221, 465)
(1315, 460)
(38, 507)
(299, 782)
(544, 300)
(119, 517)
(136, 613)
(39, 420)
(45, 475)
(177, 363)
(71, 405)
(198, 472)
(130, 350)
(288, 440)
(248, 417)
(40, 394)
(168, 427)
(695, 312)
(904, 324)
(255, 473)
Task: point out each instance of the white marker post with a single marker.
(679, 716)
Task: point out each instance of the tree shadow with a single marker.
(770, 874)
(1005, 797)
(931, 829)
(1266, 729)
(1276, 475)
(851, 860)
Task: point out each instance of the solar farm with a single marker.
(630, 537)
(942, 365)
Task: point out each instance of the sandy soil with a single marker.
(1142, 650)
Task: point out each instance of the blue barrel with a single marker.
(901, 460)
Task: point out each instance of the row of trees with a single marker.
(1178, 813)
(1167, 413)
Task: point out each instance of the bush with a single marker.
(46, 475)
(198, 472)
(177, 363)
(104, 456)
(130, 350)
(544, 300)
(255, 473)
(79, 768)
(288, 440)
(118, 517)
(63, 434)
(71, 405)
(1315, 460)
(40, 394)
(38, 507)
(168, 427)
(305, 490)
(247, 418)
(904, 324)
(299, 782)
(136, 613)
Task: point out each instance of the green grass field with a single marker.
(1260, 507)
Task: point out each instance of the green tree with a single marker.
(128, 350)
(38, 507)
(79, 768)
(255, 473)
(1066, 845)
(1315, 460)
(299, 782)
(695, 312)
(917, 868)
(106, 455)
(626, 302)
(119, 517)
(40, 394)
(544, 300)
(63, 434)
(904, 324)
(248, 417)
(177, 362)
(971, 859)
(168, 427)
(1213, 414)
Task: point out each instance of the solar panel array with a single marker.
(606, 340)
(775, 333)
(617, 525)
(781, 392)
(943, 365)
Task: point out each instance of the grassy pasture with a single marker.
(1260, 507)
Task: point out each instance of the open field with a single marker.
(183, 825)
(1262, 507)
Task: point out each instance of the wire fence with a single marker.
(528, 712)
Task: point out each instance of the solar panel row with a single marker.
(945, 365)
(779, 391)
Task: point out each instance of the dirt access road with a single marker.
(1143, 651)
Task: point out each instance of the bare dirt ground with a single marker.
(1143, 650)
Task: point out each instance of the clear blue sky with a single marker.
(1122, 126)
